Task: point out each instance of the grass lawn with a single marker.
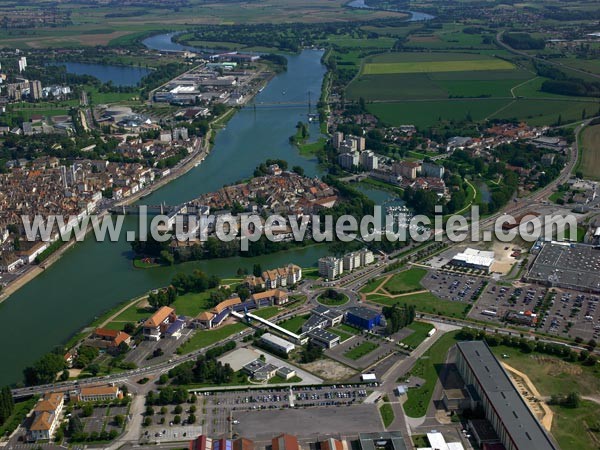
(420, 330)
(348, 329)
(204, 338)
(311, 273)
(266, 313)
(343, 336)
(552, 375)
(192, 304)
(295, 323)
(312, 148)
(387, 414)
(555, 196)
(361, 350)
(407, 281)
(427, 368)
(576, 428)
(133, 314)
(115, 325)
(277, 380)
(371, 286)
(426, 302)
(332, 301)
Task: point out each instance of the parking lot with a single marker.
(454, 287)
(575, 308)
(349, 420)
(142, 355)
(218, 405)
(162, 433)
(497, 300)
(560, 312)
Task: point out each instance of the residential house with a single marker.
(109, 339)
(156, 325)
(46, 417)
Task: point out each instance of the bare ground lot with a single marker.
(329, 369)
(346, 420)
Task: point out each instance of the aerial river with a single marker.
(92, 277)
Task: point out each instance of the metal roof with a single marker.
(520, 424)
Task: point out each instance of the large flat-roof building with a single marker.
(277, 343)
(362, 317)
(324, 338)
(566, 265)
(474, 259)
(505, 409)
(391, 440)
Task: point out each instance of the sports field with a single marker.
(590, 157)
(436, 66)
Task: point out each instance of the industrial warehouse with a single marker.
(509, 415)
(567, 265)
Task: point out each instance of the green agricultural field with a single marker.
(547, 112)
(436, 66)
(361, 350)
(92, 26)
(352, 42)
(424, 114)
(407, 281)
(590, 153)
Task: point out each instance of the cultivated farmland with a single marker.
(590, 158)
(436, 66)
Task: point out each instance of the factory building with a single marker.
(362, 317)
(516, 426)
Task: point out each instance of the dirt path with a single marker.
(521, 379)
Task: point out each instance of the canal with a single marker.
(93, 277)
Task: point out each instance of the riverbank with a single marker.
(191, 161)
(95, 276)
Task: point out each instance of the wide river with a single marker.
(92, 277)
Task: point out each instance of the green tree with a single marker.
(87, 410)
(119, 420)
